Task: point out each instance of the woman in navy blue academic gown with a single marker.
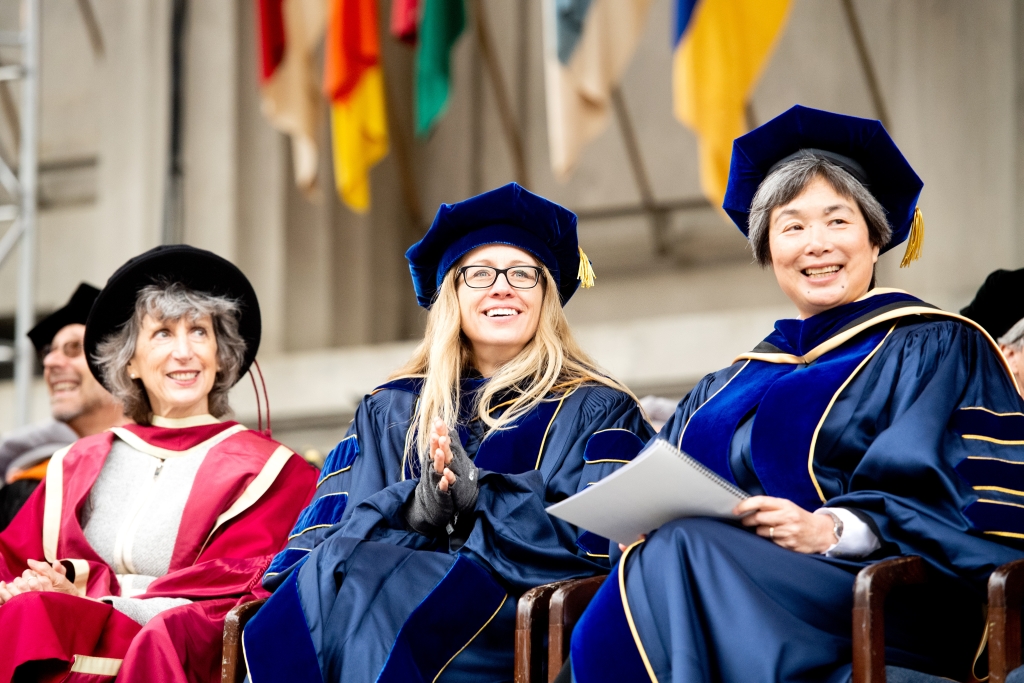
(409, 561)
(873, 425)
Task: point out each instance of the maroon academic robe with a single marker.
(247, 493)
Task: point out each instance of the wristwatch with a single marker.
(837, 525)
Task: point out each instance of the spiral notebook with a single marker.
(660, 485)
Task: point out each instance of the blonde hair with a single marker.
(551, 359)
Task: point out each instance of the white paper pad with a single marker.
(660, 485)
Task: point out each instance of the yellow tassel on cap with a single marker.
(916, 240)
(586, 272)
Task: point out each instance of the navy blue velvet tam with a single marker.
(860, 146)
(508, 215)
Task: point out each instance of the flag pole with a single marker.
(25, 357)
(658, 217)
(403, 153)
(874, 89)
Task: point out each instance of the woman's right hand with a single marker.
(441, 453)
(452, 465)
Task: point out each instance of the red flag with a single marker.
(404, 20)
(270, 20)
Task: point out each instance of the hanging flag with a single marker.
(587, 46)
(404, 17)
(442, 24)
(290, 31)
(270, 24)
(354, 84)
(721, 48)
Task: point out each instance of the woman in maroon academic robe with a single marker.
(140, 539)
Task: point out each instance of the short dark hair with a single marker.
(785, 183)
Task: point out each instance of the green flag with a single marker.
(442, 23)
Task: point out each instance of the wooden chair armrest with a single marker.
(531, 633)
(232, 663)
(870, 590)
(566, 607)
(1005, 594)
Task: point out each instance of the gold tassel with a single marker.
(586, 272)
(916, 240)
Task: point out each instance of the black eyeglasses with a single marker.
(482, 277)
(70, 349)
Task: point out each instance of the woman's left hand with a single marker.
(787, 524)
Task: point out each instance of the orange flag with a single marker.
(354, 84)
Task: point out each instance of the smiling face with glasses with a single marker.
(500, 303)
(74, 392)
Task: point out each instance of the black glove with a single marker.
(467, 486)
(432, 511)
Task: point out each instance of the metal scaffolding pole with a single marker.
(26, 221)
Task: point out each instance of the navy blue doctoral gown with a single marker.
(358, 596)
(901, 413)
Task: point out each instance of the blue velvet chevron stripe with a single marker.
(606, 451)
(985, 471)
(616, 446)
(324, 511)
(340, 459)
(994, 468)
(985, 425)
(997, 517)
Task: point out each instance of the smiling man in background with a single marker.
(80, 406)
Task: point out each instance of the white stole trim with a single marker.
(260, 485)
(182, 422)
(54, 503)
(142, 446)
(95, 666)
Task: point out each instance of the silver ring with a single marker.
(771, 532)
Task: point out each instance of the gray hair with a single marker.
(171, 302)
(1014, 337)
(785, 183)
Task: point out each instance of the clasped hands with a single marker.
(785, 524)
(448, 485)
(40, 577)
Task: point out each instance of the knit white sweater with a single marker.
(131, 518)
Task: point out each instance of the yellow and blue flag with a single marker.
(721, 48)
(587, 47)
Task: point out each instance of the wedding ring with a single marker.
(771, 532)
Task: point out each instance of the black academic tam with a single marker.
(75, 311)
(197, 269)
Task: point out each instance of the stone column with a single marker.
(133, 112)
